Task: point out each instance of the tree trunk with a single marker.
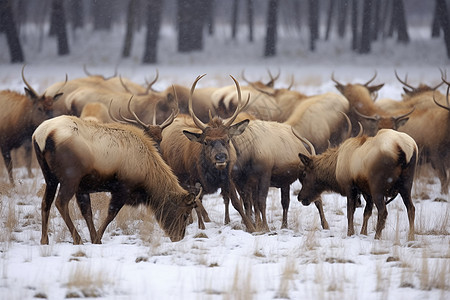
(234, 18)
(331, 9)
(191, 15)
(8, 26)
(400, 21)
(366, 36)
(355, 38)
(60, 26)
(250, 20)
(313, 23)
(210, 16)
(102, 11)
(342, 17)
(376, 20)
(445, 23)
(271, 33)
(131, 17)
(76, 13)
(436, 25)
(154, 9)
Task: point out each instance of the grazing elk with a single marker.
(376, 167)
(19, 117)
(86, 157)
(364, 110)
(203, 153)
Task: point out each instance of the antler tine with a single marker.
(111, 115)
(273, 79)
(124, 85)
(27, 84)
(135, 116)
(334, 80)
(65, 82)
(361, 130)
(404, 82)
(405, 115)
(292, 82)
(239, 107)
(150, 85)
(365, 116)
(305, 141)
(446, 97)
(372, 79)
(174, 114)
(349, 125)
(86, 70)
(196, 120)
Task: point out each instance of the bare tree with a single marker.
(355, 25)
(271, 32)
(330, 13)
(76, 13)
(154, 9)
(59, 25)
(234, 18)
(131, 17)
(436, 24)
(366, 36)
(313, 23)
(250, 17)
(191, 16)
(399, 21)
(342, 17)
(8, 26)
(444, 22)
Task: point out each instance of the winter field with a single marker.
(136, 259)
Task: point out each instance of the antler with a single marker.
(304, 140)
(104, 78)
(335, 81)
(375, 117)
(370, 80)
(27, 84)
(349, 125)
(404, 82)
(405, 115)
(446, 97)
(240, 107)
(196, 120)
(150, 85)
(292, 82)
(272, 79)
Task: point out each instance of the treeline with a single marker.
(365, 21)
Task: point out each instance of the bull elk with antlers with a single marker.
(202, 153)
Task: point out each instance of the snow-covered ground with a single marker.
(136, 260)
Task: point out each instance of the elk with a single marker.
(376, 167)
(20, 115)
(96, 112)
(266, 102)
(430, 128)
(321, 120)
(203, 153)
(85, 157)
(363, 109)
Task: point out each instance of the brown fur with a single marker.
(381, 166)
(86, 157)
(19, 117)
(95, 111)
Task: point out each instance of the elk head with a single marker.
(42, 105)
(446, 97)
(411, 91)
(372, 124)
(216, 135)
(358, 87)
(153, 130)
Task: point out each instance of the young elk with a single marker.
(376, 167)
(204, 154)
(86, 157)
(19, 117)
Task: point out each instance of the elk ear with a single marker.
(306, 160)
(238, 128)
(340, 88)
(193, 137)
(375, 88)
(401, 122)
(30, 94)
(57, 96)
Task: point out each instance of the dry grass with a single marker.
(90, 283)
(287, 278)
(241, 287)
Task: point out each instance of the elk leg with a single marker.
(351, 206)
(117, 202)
(8, 163)
(237, 204)
(84, 203)
(47, 200)
(285, 201)
(367, 213)
(27, 146)
(405, 192)
(323, 220)
(226, 202)
(62, 204)
(382, 214)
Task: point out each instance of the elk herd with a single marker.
(167, 149)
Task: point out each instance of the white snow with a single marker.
(136, 260)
